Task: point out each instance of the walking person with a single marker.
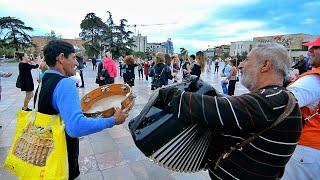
(94, 63)
(232, 77)
(216, 65)
(146, 68)
(140, 68)
(160, 72)
(129, 75)
(225, 76)
(25, 80)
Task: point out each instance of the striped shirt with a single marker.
(236, 118)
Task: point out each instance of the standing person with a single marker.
(103, 76)
(305, 161)
(199, 64)
(140, 68)
(249, 143)
(216, 65)
(224, 76)
(209, 64)
(192, 61)
(80, 68)
(121, 64)
(5, 75)
(111, 67)
(175, 67)
(58, 95)
(146, 68)
(160, 72)
(232, 77)
(94, 63)
(186, 68)
(25, 78)
(129, 75)
(301, 65)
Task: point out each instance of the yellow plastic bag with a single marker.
(28, 164)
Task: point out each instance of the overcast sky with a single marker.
(192, 24)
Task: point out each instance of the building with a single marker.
(293, 42)
(209, 53)
(240, 47)
(222, 51)
(169, 47)
(140, 43)
(156, 47)
(41, 41)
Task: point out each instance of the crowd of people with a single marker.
(290, 149)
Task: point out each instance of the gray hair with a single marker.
(277, 54)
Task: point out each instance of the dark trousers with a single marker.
(216, 68)
(231, 87)
(140, 72)
(147, 77)
(81, 75)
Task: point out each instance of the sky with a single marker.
(191, 24)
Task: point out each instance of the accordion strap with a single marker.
(289, 108)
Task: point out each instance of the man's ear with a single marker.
(59, 58)
(266, 66)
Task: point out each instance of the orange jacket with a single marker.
(310, 135)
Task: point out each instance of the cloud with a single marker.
(191, 24)
(308, 21)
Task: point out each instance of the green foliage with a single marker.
(8, 52)
(52, 36)
(15, 35)
(140, 55)
(92, 28)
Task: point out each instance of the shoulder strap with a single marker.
(288, 110)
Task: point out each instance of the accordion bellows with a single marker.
(171, 142)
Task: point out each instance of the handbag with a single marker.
(39, 148)
(19, 83)
(224, 80)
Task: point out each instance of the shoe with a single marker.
(81, 87)
(27, 109)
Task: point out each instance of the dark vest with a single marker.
(49, 83)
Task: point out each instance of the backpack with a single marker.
(156, 82)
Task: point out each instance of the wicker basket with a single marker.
(34, 145)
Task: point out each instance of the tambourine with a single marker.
(101, 102)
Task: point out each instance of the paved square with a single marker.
(109, 154)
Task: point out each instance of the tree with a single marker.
(52, 36)
(14, 32)
(119, 40)
(92, 30)
(141, 55)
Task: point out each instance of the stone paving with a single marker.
(109, 154)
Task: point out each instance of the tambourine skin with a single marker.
(154, 127)
(109, 90)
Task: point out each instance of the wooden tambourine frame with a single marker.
(109, 90)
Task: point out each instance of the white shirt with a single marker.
(306, 90)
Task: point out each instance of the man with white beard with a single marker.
(256, 133)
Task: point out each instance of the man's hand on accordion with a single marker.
(165, 98)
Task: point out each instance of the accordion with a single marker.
(169, 141)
